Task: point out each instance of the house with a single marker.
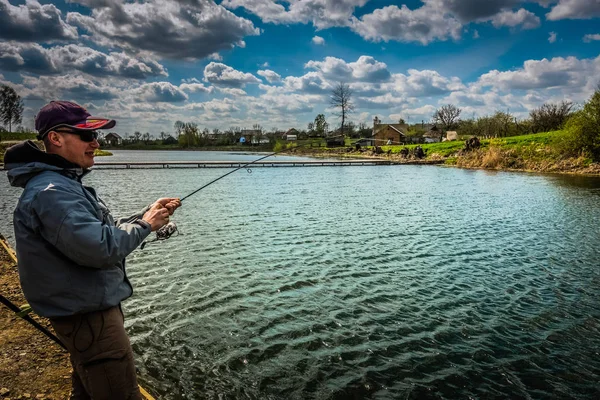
(169, 140)
(388, 133)
(433, 135)
(113, 139)
(293, 133)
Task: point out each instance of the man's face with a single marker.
(77, 151)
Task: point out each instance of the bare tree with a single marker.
(11, 107)
(550, 116)
(447, 117)
(341, 97)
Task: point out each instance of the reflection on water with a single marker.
(365, 282)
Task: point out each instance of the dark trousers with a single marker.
(101, 355)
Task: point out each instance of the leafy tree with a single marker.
(189, 134)
(320, 125)
(341, 97)
(550, 116)
(447, 116)
(583, 129)
(11, 107)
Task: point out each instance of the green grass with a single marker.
(4, 136)
(529, 145)
(444, 149)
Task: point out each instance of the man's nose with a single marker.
(95, 143)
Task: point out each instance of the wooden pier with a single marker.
(237, 164)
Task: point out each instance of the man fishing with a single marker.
(72, 252)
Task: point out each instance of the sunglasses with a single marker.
(86, 136)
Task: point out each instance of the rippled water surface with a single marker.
(364, 282)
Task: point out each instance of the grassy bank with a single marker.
(541, 152)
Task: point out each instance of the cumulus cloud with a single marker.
(591, 37)
(235, 92)
(526, 19)
(310, 83)
(318, 40)
(422, 25)
(32, 57)
(33, 22)
(471, 10)
(558, 72)
(177, 30)
(270, 76)
(365, 69)
(322, 13)
(574, 9)
(552, 37)
(156, 92)
(223, 75)
(77, 87)
(425, 83)
(195, 87)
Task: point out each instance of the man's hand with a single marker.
(157, 216)
(170, 203)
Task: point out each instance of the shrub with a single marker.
(583, 129)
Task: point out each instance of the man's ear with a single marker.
(55, 138)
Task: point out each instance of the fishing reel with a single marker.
(163, 233)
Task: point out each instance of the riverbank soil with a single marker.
(31, 365)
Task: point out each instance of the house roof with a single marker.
(112, 135)
(399, 128)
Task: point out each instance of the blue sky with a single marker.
(236, 63)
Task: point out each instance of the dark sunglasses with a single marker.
(86, 136)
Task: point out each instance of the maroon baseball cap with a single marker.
(57, 114)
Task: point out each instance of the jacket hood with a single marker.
(25, 160)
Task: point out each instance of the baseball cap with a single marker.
(57, 114)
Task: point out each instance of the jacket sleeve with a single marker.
(132, 218)
(67, 220)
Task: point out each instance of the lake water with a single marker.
(379, 282)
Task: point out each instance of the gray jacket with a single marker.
(71, 251)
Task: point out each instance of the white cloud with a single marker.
(365, 69)
(322, 13)
(224, 75)
(318, 40)
(574, 9)
(195, 87)
(270, 76)
(71, 86)
(160, 92)
(552, 37)
(178, 30)
(235, 92)
(215, 57)
(590, 38)
(32, 57)
(424, 83)
(34, 22)
(569, 72)
(526, 19)
(423, 25)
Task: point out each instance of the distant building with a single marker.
(113, 139)
(292, 134)
(170, 140)
(433, 135)
(384, 133)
